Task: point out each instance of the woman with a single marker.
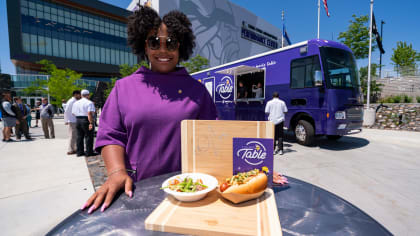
(139, 131)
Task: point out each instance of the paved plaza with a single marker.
(375, 170)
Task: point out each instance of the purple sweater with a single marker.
(143, 114)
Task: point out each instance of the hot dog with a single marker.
(253, 181)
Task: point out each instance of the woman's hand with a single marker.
(107, 191)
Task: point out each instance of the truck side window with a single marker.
(302, 72)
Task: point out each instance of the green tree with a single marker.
(357, 37)
(375, 88)
(37, 87)
(195, 64)
(404, 58)
(61, 82)
(125, 70)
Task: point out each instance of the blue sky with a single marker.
(401, 18)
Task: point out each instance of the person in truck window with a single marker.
(139, 133)
(242, 93)
(257, 90)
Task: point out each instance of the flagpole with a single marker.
(370, 54)
(319, 7)
(282, 35)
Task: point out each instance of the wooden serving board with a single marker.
(214, 215)
(207, 144)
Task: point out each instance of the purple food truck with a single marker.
(317, 79)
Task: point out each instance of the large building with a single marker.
(90, 36)
(87, 36)
(225, 31)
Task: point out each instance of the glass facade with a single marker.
(56, 30)
(21, 81)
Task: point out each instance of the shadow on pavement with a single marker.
(344, 143)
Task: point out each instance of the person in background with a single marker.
(47, 114)
(63, 105)
(257, 89)
(137, 137)
(0, 116)
(9, 116)
(70, 120)
(37, 110)
(83, 110)
(242, 93)
(276, 109)
(21, 124)
(29, 116)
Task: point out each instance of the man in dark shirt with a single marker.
(21, 124)
(242, 93)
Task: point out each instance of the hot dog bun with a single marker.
(256, 184)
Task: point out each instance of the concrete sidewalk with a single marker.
(378, 171)
(40, 184)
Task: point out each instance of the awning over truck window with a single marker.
(242, 69)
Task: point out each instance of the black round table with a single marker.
(303, 209)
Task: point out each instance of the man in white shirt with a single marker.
(83, 110)
(70, 120)
(276, 109)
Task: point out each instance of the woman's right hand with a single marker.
(107, 191)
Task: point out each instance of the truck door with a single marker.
(209, 84)
(306, 96)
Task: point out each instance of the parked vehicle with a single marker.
(317, 79)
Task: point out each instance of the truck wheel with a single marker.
(304, 133)
(334, 137)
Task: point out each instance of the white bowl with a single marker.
(208, 180)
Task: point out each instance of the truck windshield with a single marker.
(340, 68)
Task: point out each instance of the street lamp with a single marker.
(380, 53)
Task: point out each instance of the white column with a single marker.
(319, 7)
(370, 53)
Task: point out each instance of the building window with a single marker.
(97, 55)
(32, 12)
(41, 44)
(102, 55)
(48, 46)
(117, 57)
(55, 47)
(62, 48)
(68, 49)
(108, 56)
(74, 50)
(24, 11)
(80, 54)
(39, 14)
(26, 40)
(92, 53)
(86, 52)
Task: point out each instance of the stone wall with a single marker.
(398, 116)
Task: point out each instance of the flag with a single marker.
(326, 7)
(286, 36)
(377, 36)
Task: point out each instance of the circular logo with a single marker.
(225, 87)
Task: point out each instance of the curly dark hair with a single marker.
(145, 19)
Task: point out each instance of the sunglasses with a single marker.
(153, 43)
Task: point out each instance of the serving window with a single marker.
(249, 82)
